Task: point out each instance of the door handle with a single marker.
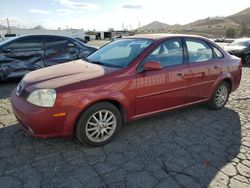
(216, 66)
(180, 74)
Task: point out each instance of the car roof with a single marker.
(162, 36)
(33, 35)
(42, 35)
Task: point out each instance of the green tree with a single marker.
(230, 32)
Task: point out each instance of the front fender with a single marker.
(89, 98)
(118, 97)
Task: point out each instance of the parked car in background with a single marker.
(22, 54)
(125, 80)
(240, 48)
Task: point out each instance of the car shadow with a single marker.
(182, 148)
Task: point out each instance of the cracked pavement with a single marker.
(192, 147)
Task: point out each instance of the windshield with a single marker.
(8, 40)
(119, 53)
(245, 43)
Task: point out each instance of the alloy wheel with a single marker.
(221, 95)
(101, 126)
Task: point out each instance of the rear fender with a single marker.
(221, 78)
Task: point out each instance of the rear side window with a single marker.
(198, 51)
(218, 53)
(168, 53)
(34, 43)
(58, 43)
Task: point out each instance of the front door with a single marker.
(166, 88)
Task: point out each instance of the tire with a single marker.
(99, 124)
(220, 96)
(1, 75)
(246, 59)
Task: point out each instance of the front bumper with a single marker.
(39, 121)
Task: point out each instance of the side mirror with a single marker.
(152, 66)
(71, 45)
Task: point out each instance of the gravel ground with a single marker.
(193, 147)
(98, 43)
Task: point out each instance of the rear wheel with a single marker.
(220, 96)
(99, 124)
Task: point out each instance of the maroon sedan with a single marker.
(125, 80)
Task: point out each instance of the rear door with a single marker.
(59, 50)
(21, 56)
(204, 69)
(166, 88)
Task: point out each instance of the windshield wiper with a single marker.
(111, 65)
(104, 64)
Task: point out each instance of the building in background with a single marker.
(74, 33)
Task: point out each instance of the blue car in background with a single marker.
(22, 54)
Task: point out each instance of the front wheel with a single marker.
(220, 96)
(99, 124)
(246, 59)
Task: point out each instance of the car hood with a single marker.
(234, 48)
(65, 74)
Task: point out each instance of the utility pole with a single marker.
(8, 24)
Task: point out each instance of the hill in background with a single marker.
(155, 26)
(242, 17)
(39, 27)
(2, 27)
(232, 26)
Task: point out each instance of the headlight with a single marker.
(43, 97)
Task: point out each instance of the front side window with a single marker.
(198, 51)
(119, 53)
(168, 53)
(34, 43)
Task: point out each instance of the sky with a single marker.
(117, 14)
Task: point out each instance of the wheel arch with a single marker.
(229, 82)
(115, 102)
(222, 78)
